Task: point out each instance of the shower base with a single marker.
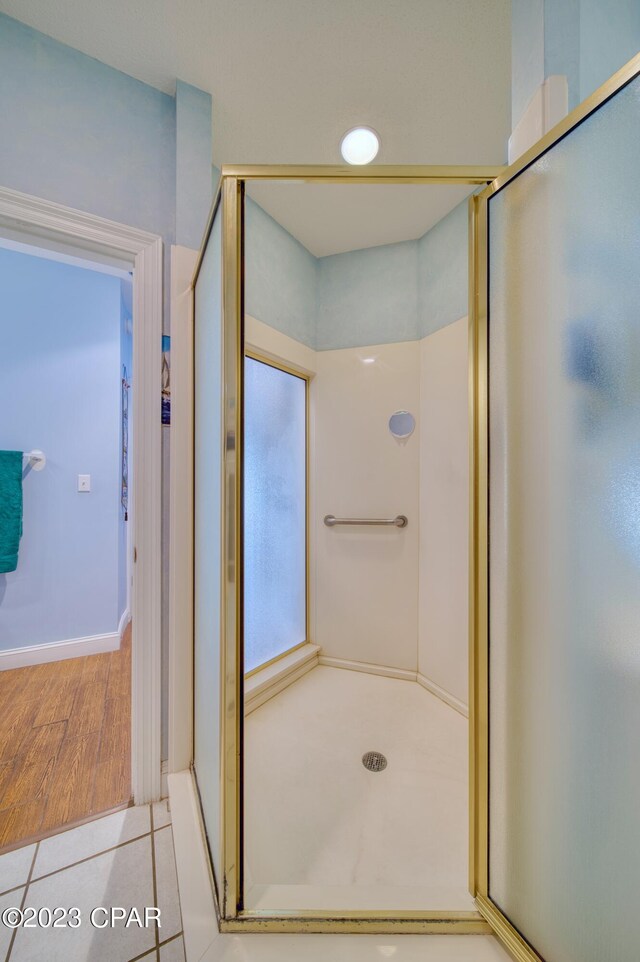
(323, 832)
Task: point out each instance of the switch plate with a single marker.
(84, 482)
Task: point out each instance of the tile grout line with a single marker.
(14, 888)
(145, 955)
(104, 851)
(154, 877)
(23, 900)
(31, 878)
(172, 939)
(88, 858)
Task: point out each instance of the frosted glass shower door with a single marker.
(207, 536)
(564, 542)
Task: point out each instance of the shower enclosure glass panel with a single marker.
(207, 535)
(303, 833)
(322, 832)
(564, 436)
(275, 512)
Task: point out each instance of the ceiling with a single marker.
(333, 218)
(289, 77)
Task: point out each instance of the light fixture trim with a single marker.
(360, 145)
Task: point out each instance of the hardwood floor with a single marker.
(65, 742)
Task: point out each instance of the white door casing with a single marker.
(61, 228)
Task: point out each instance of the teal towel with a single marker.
(10, 508)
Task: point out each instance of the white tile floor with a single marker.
(119, 860)
(322, 831)
(124, 860)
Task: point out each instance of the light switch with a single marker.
(84, 482)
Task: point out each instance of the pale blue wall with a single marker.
(527, 53)
(193, 163)
(561, 46)
(609, 37)
(280, 277)
(368, 296)
(85, 135)
(443, 272)
(379, 295)
(59, 391)
(80, 133)
(586, 40)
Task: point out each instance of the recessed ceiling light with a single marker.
(368, 360)
(360, 145)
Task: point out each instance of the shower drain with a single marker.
(374, 761)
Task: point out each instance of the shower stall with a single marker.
(365, 759)
(331, 724)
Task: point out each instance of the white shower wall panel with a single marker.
(388, 597)
(367, 577)
(444, 509)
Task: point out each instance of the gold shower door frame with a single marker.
(229, 200)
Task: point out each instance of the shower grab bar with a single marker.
(401, 521)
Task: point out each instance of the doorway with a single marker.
(120, 662)
(65, 588)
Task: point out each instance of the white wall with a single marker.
(367, 577)
(364, 581)
(444, 509)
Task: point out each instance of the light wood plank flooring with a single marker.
(65, 742)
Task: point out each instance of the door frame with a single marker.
(479, 513)
(229, 194)
(65, 229)
(183, 264)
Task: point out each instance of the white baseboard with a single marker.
(199, 919)
(58, 651)
(124, 621)
(262, 686)
(402, 673)
(443, 694)
(267, 682)
(365, 666)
